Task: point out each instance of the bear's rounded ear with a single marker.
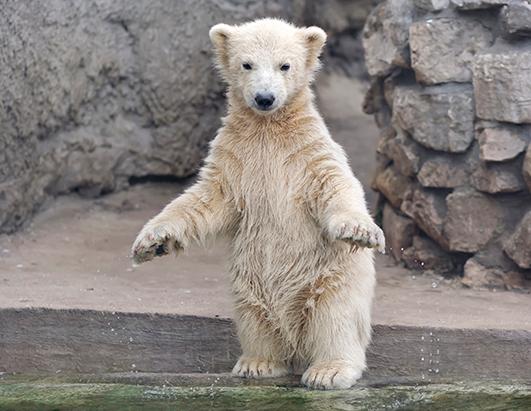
(219, 35)
(314, 38)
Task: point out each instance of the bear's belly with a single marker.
(276, 249)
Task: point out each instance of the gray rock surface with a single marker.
(399, 231)
(502, 84)
(438, 117)
(432, 5)
(477, 275)
(425, 254)
(516, 18)
(428, 209)
(478, 4)
(498, 178)
(385, 37)
(501, 143)
(527, 168)
(392, 184)
(441, 52)
(94, 93)
(518, 246)
(404, 152)
(472, 220)
(443, 172)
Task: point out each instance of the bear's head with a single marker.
(267, 62)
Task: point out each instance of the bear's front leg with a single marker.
(200, 212)
(358, 229)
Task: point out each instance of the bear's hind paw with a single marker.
(259, 368)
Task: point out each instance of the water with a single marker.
(47, 397)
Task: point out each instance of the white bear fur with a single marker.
(281, 189)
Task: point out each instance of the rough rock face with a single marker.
(443, 173)
(440, 52)
(425, 254)
(502, 85)
(527, 168)
(385, 37)
(472, 220)
(518, 246)
(477, 275)
(501, 144)
(438, 117)
(516, 18)
(498, 178)
(477, 4)
(399, 231)
(94, 93)
(428, 210)
(456, 134)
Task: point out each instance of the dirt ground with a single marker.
(75, 254)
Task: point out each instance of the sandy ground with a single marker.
(75, 254)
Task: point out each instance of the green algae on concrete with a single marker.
(46, 396)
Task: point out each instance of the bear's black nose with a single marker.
(264, 101)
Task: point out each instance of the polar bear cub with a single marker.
(274, 182)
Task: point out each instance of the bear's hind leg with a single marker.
(338, 333)
(262, 353)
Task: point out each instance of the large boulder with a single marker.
(502, 84)
(438, 117)
(96, 93)
(440, 52)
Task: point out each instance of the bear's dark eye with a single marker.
(247, 66)
(284, 67)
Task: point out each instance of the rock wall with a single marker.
(451, 93)
(96, 93)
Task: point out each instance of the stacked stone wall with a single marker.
(451, 93)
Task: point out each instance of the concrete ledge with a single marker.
(44, 341)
